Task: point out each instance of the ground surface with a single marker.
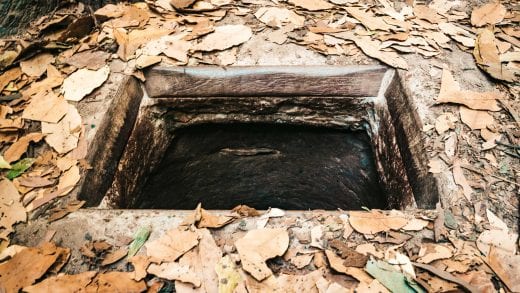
(470, 133)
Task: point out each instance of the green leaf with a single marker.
(20, 167)
(140, 238)
(4, 164)
(392, 279)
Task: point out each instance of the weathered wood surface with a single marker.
(353, 81)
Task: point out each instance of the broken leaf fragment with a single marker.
(19, 167)
(259, 245)
(48, 107)
(64, 135)
(11, 208)
(17, 149)
(375, 221)
(82, 82)
(490, 13)
(172, 245)
(312, 5)
(224, 37)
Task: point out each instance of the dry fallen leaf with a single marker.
(64, 135)
(11, 208)
(175, 271)
(173, 244)
(181, 3)
(8, 76)
(460, 180)
(337, 264)
(48, 107)
(114, 256)
(115, 282)
(450, 93)
(62, 283)
(506, 266)
(487, 56)
(312, 5)
(144, 61)
(208, 220)
(371, 48)
(27, 266)
(415, 224)
(82, 82)
(277, 17)
(224, 37)
(490, 13)
(444, 122)
(202, 260)
(427, 13)
(17, 149)
(374, 221)
(259, 245)
(92, 60)
(369, 21)
(36, 66)
(475, 119)
(430, 252)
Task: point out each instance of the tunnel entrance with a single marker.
(265, 165)
(297, 138)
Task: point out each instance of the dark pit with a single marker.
(296, 138)
(264, 165)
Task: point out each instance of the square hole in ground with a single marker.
(290, 137)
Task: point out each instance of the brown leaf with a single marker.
(369, 21)
(17, 149)
(447, 276)
(175, 271)
(11, 208)
(115, 282)
(173, 244)
(479, 279)
(140, 263)
(444, 122)
(426, 13)
(245, 211)
(8, 76)
(92, 60)
(371, 48)
(181, 3)
(224, 37)
(208, 220)
(82, 82)
(110, 11)
(301, 261)
(351, 256)
(144, 61)
(202, 260)
(475, 119)
(27, 266)
(47, 107)
(259, 245)
(35, 181)
(460, 180)
(430, 252)
(312, 5)
(277, 17)
(68, 180)
(490, 13)
(64, 135)
(450, 93)
(62, 283)
(487, 55)
(506, 266)
(114, 256)
(59, 213)
(36, 66)
(374, 221)
(337, 264)
(53, 79)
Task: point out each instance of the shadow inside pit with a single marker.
(265, 165)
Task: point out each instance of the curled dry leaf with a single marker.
(64, 135)
(62, 283)
(374, 222)
(450, 93)
(208, 220)
(83, 82)
(17, 149)
(277, 17)
(259, 245)
(312, 5)
(490, 13)
(224, 37)
(173, 244)
(475, 119)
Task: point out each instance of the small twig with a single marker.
(93, 15)
(508, 145)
